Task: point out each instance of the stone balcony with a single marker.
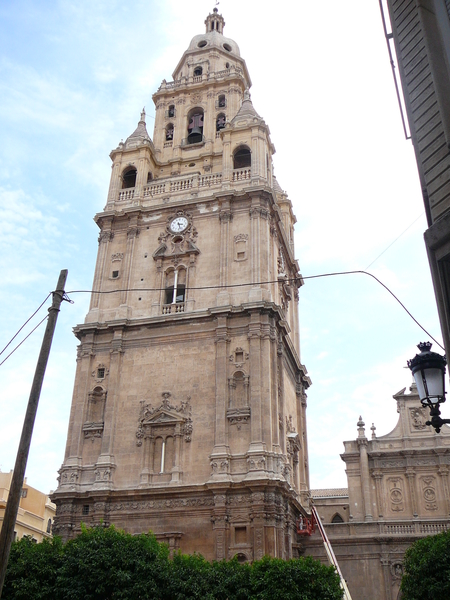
(194, 183)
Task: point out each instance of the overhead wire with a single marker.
(290, 280)
(24, 339)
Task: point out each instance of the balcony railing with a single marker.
(126, 194)
(242, 174)
(171, 309)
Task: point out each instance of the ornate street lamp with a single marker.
(428, 369)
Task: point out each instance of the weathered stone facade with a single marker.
(188, 413)
(398, 491)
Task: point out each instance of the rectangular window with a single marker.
(100, 373)
(23, 493)
(115, 274)
(85, 509)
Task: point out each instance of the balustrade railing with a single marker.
(181, 184)
(171, 309)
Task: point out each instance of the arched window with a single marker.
(49, 526)
(175, 286)
(220, 122)
(171, 111)
(337, 518)
(222, 101)
(198, 71)
(149, 177)
(169, 132)
(242, 158)
(195, 126)
(129, 178)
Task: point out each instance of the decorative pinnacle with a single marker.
(373, 428)
(361, 430)
(143, 115)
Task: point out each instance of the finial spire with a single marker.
(143, 115)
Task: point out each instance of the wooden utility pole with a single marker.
(12, 506)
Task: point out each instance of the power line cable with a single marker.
(27, 321)
(24, 339)
(392, 243)
(294, 280)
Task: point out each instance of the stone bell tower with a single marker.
(188, 413)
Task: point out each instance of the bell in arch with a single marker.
(195, 135)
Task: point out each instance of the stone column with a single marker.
(443, 473)
(378, 477)
(220, 525)
(225, 216)
(411, 477)
(364, 467)
(106, 235)
(220, 453)
(132, 234)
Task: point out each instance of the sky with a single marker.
(74, 76)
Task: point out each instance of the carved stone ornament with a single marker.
(238, 357)
(241, 237)
(428, 485)
(418, 417)
(396, 494)
(397, 570)
(238, 416)
(105, 236)
(92, 431)
(175, 245)
(117, 256)
(176, 416)
(97, 372)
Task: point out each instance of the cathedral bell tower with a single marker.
(188, 412)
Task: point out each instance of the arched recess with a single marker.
(238, 390)
(129, 177)
(242, 158)
(96, 405)
(337, 519)
(195, 126)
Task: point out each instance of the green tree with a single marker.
(33, 569)
(107, 564)
(427, 569)
(296, 579)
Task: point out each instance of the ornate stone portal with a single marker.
(188, 413)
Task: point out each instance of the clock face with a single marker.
(178, 224)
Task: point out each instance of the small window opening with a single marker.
(241, 255)
(239, 356)
(169, 132)
(149, 177)
(85, 509)
(198, 71)
(242, 158)
(100, 373)
(49, 526)
(202, 44)
(129, 179)
(337, 518)
(227, 65)
(227, 47)
(175, 289)
(171, 111)
(222, 101)
(241, 558)
(24, 493)
(115, 274)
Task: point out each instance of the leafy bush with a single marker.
(108, 564)
(427, 569)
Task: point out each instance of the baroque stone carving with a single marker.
(429, 492)
(241, 237)
(117, 256)
(418, 417)
(165, 414)
(396, 494)
(105, 236)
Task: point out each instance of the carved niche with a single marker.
(93, 427)
(418, 418)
